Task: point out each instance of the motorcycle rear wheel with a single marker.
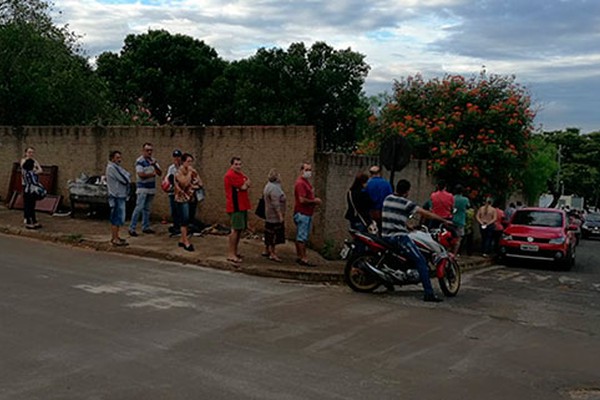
(358, 277)
(450, 282)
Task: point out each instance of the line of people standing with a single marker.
(184, 182)
(237, 185)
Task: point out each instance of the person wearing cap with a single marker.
(171, 172)
(378, 189)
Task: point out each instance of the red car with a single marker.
(539, 234)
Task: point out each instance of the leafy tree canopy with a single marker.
(170, 75)
(43, 80)
(579, 171)
(541, 168)
(317, 86)
(473, 131)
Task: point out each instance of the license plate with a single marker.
(529, 247)
(344, 253)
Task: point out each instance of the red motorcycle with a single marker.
(373, 261)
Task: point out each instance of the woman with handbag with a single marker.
(275, 201)
(31, 190)
(187, 182)
(359, 204)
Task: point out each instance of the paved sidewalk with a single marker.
(211, 250)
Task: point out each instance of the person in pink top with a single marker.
(442, 202)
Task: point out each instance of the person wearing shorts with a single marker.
(304, 208)
(118, 182)
(237, 206)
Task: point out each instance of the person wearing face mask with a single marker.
(304, 208)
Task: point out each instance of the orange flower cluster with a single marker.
(471, 131)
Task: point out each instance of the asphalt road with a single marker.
(77, 324)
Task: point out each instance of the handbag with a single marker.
(166, 184)
(261, 209)
(200, 194)
(372, 227)
(39, 191)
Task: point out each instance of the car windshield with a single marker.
(538, 218)
(593, 217)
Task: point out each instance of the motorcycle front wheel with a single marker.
(357, 275)
(450, 282)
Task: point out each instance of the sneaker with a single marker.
(133, 233)
(432, 298)
(30, 226)
(149, 231)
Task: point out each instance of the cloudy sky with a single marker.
(551, 46)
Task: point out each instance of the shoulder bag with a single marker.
(372, 227)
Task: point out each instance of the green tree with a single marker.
(541, 168)
(472, 131)
(43, 78)
(170, 75)
(317, 86)
(579, 173)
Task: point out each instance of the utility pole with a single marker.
(559, 156)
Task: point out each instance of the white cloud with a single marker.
(544, 44)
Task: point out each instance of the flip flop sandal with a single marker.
(306, 263)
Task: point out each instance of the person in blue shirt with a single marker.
(378, 189)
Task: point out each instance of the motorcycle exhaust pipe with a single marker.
(381, 275)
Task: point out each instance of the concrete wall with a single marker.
(334, 176)
(85, 149)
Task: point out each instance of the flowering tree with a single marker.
(472, 131)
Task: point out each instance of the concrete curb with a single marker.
(312, 275)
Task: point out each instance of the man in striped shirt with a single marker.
(397, 209)
(147, 169)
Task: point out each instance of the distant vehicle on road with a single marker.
(591, 225)
(540, 234)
